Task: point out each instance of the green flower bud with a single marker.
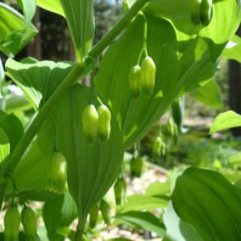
(29, 221)
(136, 165)
(195, 6)
(148, 70)
(11, 224)
(93, 216)
(177, 114)
(135, 81)
(119, 189)
(90, 123)
(104, 123)
(57, 173)
(105, 211)
(158, 147)
(206, 11)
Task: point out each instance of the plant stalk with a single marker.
(118, 28)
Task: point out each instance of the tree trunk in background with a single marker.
(35, 48)
(235, 88)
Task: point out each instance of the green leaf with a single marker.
(12, 127)
(80, 17)
(196, 67)
(37, 195)
(233, 49)
(38, 80)
(140, 202)
(158, 189)
(177, 229)
(15, 34)
(142, 220)
(16, 103)
(182, 75)
(112, 80)
(4, 146)
(92, 168)
(29, 8)
(178, 11)
(225, 22)
(59, 213)
(225, 120)
(208, 202)
(37, 161)
(209, 94)
(52, 6)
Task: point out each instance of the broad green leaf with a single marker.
(12, 127)
(158, 189)
(59, 213)
(37, 195)
(209, 203)
(183, 74)
(38, 80)
(37, 160)
(52, 6)
(233, 49)
(16, 103)
(92, 168)
(15, 34)
(139, 202)
(225, 22)
(29, 8)
(16, 23)
(196, 67)
(178, 11)
(112, 80)
(142, 220)
(177, 229)
(4, 146)
(80, 18)
(209, 94)
(226, 120)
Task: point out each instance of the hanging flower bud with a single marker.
(148, 70)
(120, 189)
(90, 123)
(11, 224)
(195, 6)
(29, 221)
(206, 11)
(104, 123)
(135, 81)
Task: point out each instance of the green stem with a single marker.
(79, 71)
(118, 28)
(80, 229)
